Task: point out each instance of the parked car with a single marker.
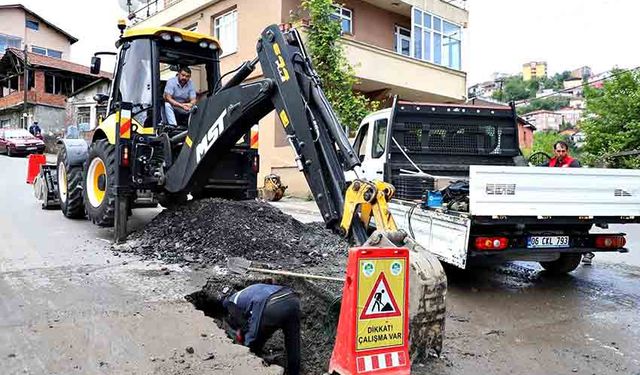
(19, 142)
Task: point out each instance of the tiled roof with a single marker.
(50, 62)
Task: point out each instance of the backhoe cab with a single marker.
(132, 149)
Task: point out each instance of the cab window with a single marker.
(360, 143)
(379, 138)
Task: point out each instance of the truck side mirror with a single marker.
(95, 64)
(101, 98)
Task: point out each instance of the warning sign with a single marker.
(381, 293)
(381, 302)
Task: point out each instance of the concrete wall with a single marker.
(12, 22)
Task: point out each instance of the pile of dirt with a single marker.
(209, 231)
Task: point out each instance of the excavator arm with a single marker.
(292, 89)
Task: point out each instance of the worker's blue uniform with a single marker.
(261, 309)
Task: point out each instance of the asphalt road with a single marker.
(514, 319)
(69, 306)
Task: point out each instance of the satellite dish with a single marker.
(129, 5)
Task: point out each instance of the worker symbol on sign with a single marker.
(381, 302)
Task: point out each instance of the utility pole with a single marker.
(25, 81)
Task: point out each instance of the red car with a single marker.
(19, 142)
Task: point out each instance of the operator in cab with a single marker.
(253, 314)
(179, 97)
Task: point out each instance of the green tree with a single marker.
(515, 88)
(549, 104)
(612, 119)
(329, 60)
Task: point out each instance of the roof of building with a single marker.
(570, 132)
(71, 38)
(540, 111)
(90, 85)
(50, 62)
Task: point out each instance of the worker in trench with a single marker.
(253, 314)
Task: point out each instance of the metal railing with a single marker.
(149, 9)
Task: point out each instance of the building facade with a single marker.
(50, 81)
(20, 26)
(409, 48)
(534, 69)
(544, 120)
(82, 109)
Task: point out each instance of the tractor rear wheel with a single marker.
(99, 180)
(69, 187)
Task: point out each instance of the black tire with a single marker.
(9, 153)
(565, 264)
(100, 197)
(69, 187)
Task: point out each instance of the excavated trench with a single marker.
(205, 233)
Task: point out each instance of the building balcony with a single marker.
(382, 71)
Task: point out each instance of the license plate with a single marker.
(31, 148)
(538, 242)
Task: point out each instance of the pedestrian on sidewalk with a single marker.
(254, 314)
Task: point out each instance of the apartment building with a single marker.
(409, 48)
(50, 78)
(19, 25)
(544, 120)
(534, 69)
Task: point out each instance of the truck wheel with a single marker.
(565, 264)
(99, 183)
(69, 187)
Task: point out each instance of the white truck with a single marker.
(496, 206)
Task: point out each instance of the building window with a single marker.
(7, 41)
(345, 17)
(193, 27)
(46, 52)
(436, 40)
(225, 28)
(39, 50)
(33, 25)
(83, 115)
(402, 41)
(58, 85)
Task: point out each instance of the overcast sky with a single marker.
(501, 35)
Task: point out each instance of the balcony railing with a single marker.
(152, 7)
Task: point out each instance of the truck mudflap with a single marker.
(427, 293)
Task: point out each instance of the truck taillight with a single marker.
(255, 164)
(125, 156)
(491, 243)
(610, 242)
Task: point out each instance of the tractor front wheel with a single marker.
(99, 183)
(69, 187)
